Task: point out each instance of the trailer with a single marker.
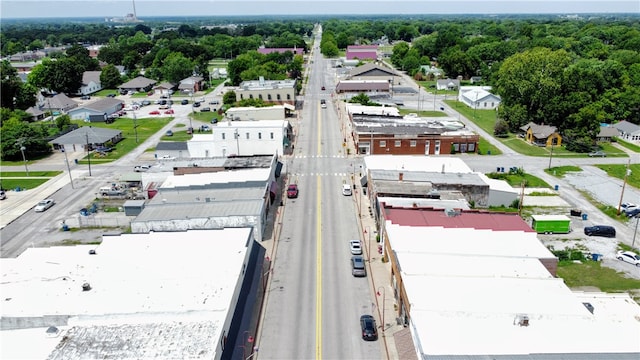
(551, 224)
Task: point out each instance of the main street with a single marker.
(314, 302)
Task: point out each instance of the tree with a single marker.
(501, 128)
(110, 77)
(400, 50)
(176, 67)
(229, 98)
(532, 79)
(361, 98)
(63, 121)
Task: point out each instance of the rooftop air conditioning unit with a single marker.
(86, 286)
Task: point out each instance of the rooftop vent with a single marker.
(588, 306)
(451, 212)
(86, 286)
(92, 252)
(521, 320)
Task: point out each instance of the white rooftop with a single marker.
(465, 241)
(372, 110)
(444, 164)
(469, 302)
(153, 280)
(251, 124)
(550, 217)
(221, 177)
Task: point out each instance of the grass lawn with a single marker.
(560, 171)
(628, 145)
(486, 120)
(487, 148)
(5, 174)
(145, 128)
(516, 179)
(618, 171)
(177, 136)
(12, 183)
(105, 92)
(592, 273)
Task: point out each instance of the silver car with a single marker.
(44, 205)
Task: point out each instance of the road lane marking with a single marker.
(319, 250)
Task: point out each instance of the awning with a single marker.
(363, 181)
(274, 187)
(278, 169)
(289, 106)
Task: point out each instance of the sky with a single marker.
(151, 8)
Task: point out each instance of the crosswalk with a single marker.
(322, 156)
(319, 174)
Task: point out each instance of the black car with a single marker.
(111, 95)
(205, 109)
(600, 230)
(369, 328)
(196, 104)
(184, 102)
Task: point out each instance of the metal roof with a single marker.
(87, 134)
(206, 210)
(431, 177)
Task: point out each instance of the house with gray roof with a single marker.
(541, 135)
(87, 136)
(57, 103)
(607, 133)
(140, 83)
(477, 97)
(191, 84)
(447, 84)
(90, 83)
(100, 109)
(628, 131)
(363, 86)
(164, 88)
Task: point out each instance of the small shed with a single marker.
(133, 207)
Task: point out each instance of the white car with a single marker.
(167, 157)
(346, 189)
(141, 168)
(629, 256)
(44, 205)
(356, 247)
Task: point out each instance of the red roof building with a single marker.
(362, 52)
(266, 51)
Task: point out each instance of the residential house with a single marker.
(270, 91)
(24, 66)
(139, 84)
(191, 84)
(362, 52)
(541, 135)
(447, 84)
(59, 103)
(628, 131)
(94, 50)
(85, 137)
(90, 83)
(478, 97)
(98, 110)
(607, 133)
(164, 88)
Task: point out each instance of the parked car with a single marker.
(184, 102)
(214, 102)
(85, 97)
(634, 212)
(169, 112)
(111, 95)
(3, 195)
(600, 230)
(145, 103)
(205, 109)
(189, 130)
(214, 121)
(355, 247)
(357, 266)
(323, 88)
(369, 328)
(196, 104)
(163, 107)
(597, 154)
(103, 149)
(141, 168)
(205, 128)
(44, 205)
(346, 189)
(169, 133)
(154, 112)
(629, 256)
(167, 157)
(292, 191)
(628, 205)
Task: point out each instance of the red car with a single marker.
(169, 112)
(154, 112)
(292, 191)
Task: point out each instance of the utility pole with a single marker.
(135, 126)
(88, 152)
(624, 184)
(66, 160)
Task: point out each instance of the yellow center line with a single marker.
(319, 252)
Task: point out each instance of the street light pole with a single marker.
(22, 149)
(237, 135)
(135, 126)
(551, 154)
(88, 153)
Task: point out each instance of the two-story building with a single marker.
(276, 91)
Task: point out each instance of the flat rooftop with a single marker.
(409, 163)
(223, 177)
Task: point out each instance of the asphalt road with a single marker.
(314, 303)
